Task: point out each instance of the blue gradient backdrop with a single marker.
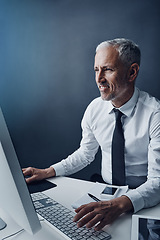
(46, 68)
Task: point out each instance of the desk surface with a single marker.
(68, 190)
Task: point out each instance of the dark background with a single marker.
(46, 68)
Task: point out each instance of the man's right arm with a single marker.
(74, 162)
(35, 174)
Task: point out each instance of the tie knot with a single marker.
(118, 113)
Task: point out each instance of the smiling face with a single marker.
(113, 78)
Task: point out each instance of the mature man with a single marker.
(116, 68)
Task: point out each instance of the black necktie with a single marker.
(118, 163)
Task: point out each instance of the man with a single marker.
(116, 67)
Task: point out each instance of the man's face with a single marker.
(112, 76)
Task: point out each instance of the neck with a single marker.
(124, 99)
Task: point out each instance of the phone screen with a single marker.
(109, 190)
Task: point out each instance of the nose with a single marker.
(100, 76)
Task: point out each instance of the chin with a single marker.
(105, 98)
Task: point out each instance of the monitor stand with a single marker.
(2, 224)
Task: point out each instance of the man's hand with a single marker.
(36, 174)
(102, 213)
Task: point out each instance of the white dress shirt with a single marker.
(141, 124)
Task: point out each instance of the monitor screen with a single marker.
(14, 195)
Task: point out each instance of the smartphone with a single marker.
(109, 190)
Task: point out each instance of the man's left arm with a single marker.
(148, 194)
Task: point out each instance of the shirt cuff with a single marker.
(136, 199)
(59, 169)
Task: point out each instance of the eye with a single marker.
(107, 69)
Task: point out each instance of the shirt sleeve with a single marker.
(84, 155)
(148, 194)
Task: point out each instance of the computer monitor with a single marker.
(14, 195)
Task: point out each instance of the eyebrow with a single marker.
(106, 66)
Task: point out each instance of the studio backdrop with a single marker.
(47, 78)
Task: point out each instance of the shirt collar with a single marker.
(128, 107)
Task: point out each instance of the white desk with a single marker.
(68, 190)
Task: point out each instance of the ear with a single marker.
(133, 72)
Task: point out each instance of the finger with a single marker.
(79, 209)
(27, 171)
(94, 221)
(85, 220)
(24, 170)
(89, 206)
(82, 211)
(31, 179)
(108, 219)
(101, 225)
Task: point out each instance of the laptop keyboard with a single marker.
(62, 218)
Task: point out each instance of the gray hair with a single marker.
(129, 52)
